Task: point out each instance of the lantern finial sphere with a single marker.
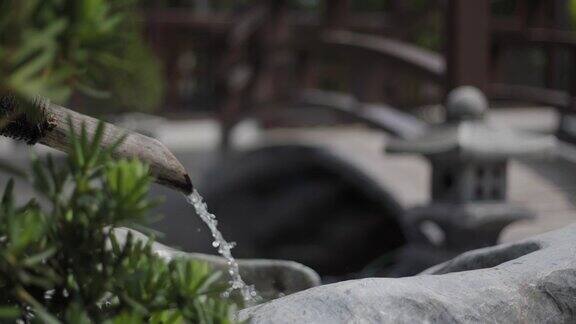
(465, 103)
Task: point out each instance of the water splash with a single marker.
(224, 248)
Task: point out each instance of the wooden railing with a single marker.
(265, 55)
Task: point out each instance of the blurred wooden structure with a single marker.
(260, 58)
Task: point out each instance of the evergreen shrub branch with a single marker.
(55, 48)
(65, 264)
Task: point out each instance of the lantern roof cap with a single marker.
(467, 135)
(475, 140)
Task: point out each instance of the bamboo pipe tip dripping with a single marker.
(43, 122)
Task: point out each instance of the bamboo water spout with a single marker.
(46, 123)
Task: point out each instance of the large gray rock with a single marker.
(533, 281)
(271, 278)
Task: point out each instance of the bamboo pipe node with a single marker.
(25, 121)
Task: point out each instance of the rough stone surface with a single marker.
(271, 278)
(533, 281)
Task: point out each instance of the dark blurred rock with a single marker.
(304, 204)
(412, 259)
(533, 281)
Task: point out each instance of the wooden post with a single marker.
(567, 126)
(274, 37)
(235, 73)
(556, 19)
(335, 13)
(368, 77)
(468, 43)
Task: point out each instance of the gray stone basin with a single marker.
(532, 281)
(271, 278)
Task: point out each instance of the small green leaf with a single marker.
(37, 258)
(9, 312)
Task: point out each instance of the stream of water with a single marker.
(248, 292)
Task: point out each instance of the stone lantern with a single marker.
(469, 161)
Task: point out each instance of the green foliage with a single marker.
(572, 11)
(52, 48)
(65, 264)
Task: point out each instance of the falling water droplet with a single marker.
(248, 292)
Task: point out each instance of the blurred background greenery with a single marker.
(93, 49)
